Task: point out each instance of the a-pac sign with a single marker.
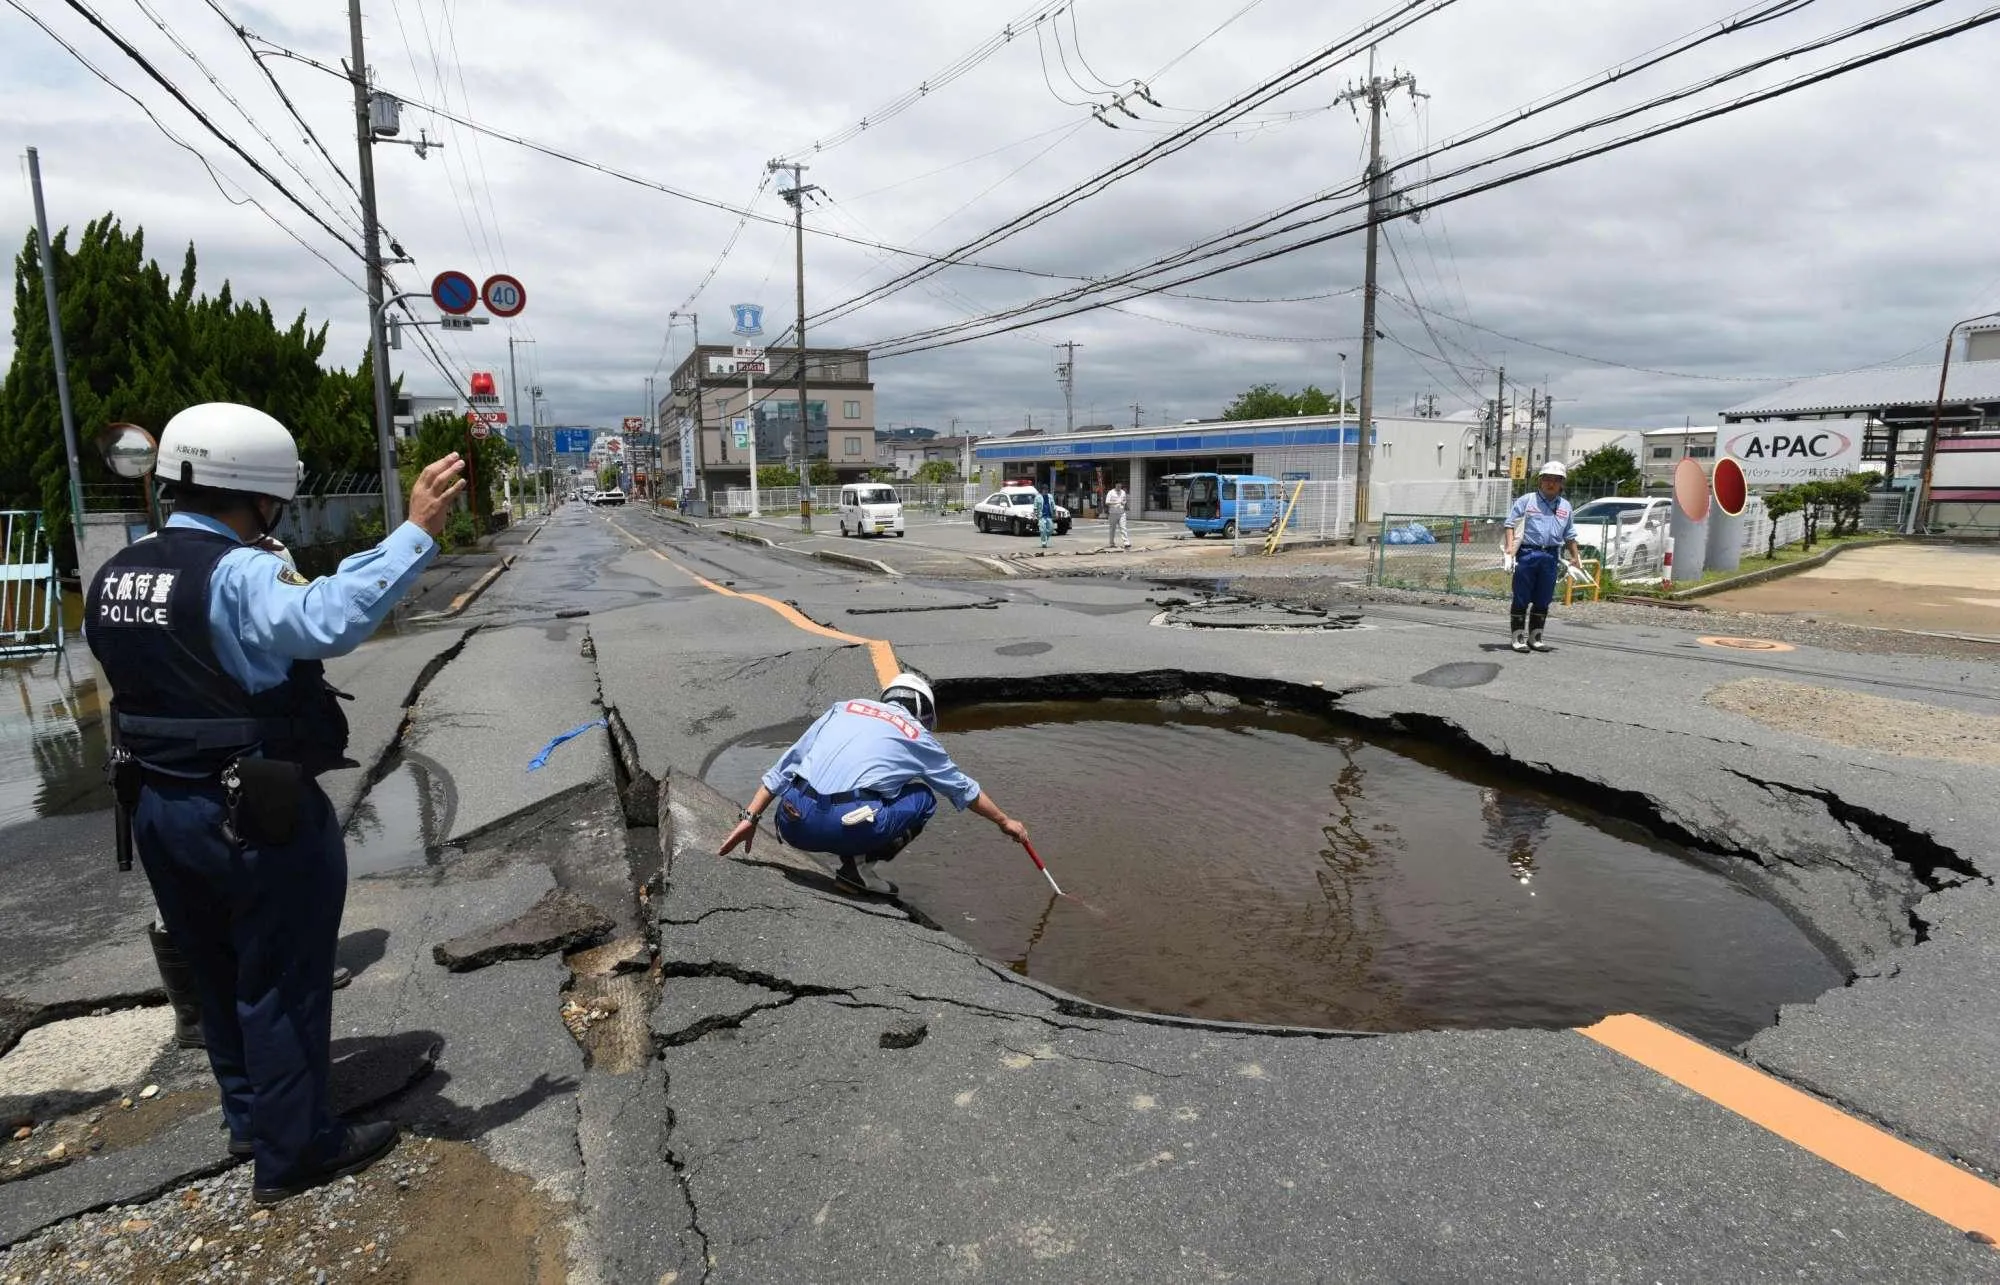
(1795, 451)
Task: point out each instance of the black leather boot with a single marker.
(177, 975)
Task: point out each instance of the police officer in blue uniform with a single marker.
(1538, 532)
(222, 719)
(863, 782)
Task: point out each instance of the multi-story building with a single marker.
(708, 390)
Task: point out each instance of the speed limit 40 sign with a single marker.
(504, 295)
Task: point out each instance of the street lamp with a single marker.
(1919, 511)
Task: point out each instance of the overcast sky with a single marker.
(1841, 226)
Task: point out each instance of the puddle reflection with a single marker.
(51, 739)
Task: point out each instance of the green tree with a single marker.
(822, 473)
(488, 459)
(142, 345)
(770, 475)
(1780, 503)
(1608, 470)
(1268, 401)
(936, 472)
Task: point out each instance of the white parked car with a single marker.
(870, 508)
(1630, 533)
(1012, 510)
(612, 496)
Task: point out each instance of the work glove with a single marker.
(1507, 563)
(1578, 574)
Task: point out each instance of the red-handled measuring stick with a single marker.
(1036, 858)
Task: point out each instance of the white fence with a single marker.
(1471, 496)
(780, 501)
(1322, 511)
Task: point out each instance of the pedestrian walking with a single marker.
(1114, 510)
(1045, 514)
(863, 782)
(1538, 532)
(222, 719)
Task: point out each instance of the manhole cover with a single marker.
(1747, 644)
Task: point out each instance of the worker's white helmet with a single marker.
(1555, 468)
(229, 447)
(914, 695)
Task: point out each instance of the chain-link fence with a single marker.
(1445, 553)
(1479, 496)
(1311, 513)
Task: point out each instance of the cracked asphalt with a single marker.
(791, 1084)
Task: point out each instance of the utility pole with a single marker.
(371, 233)
(1380, 206)
(795, 196)
(56, 350)
(514, 401)
(1066, 376)
(1136, 410)
(1499, 409)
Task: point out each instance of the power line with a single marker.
(1238, 334)
(907, 345)
(184, 145)
(153, 72)
(229, 97)
(243, 37)
(935, 81)
(625, 176)
(1317, 64)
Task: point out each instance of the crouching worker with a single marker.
(863, 781)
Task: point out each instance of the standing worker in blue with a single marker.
(1045, 513)
(1538, 531)
(863, 782)
(222, 719)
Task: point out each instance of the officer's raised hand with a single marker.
(436, 487)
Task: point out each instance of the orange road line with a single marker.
(1911, 1174)
(879, 651)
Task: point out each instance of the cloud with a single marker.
(1835, 228)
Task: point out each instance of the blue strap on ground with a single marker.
(570, 735)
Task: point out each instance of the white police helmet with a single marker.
(228, 447)
(1555, 468)
(914, 695)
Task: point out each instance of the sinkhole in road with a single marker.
(1256, 864)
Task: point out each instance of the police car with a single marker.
(1012, 510)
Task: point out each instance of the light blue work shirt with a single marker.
(867, 745)
(260, 622)
(1542, 523)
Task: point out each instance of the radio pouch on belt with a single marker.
(263, 797)
(125, 775)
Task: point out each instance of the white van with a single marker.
(870, 508)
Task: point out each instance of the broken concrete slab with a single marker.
(384, 675)
(561, 921)
(693, 1005)
(486, 715)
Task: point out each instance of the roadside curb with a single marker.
(479, 586)
(854, 560)
(1761, 575)
(748, 538)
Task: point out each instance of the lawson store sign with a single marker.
(1797, 451)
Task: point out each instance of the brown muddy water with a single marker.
(1257, 865)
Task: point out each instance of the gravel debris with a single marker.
(1804, 631)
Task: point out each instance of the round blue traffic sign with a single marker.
(453, 292)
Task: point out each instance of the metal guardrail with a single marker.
(31, 621)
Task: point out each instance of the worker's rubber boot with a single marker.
(1536, 621)
(1517, 626)
(177, 975)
